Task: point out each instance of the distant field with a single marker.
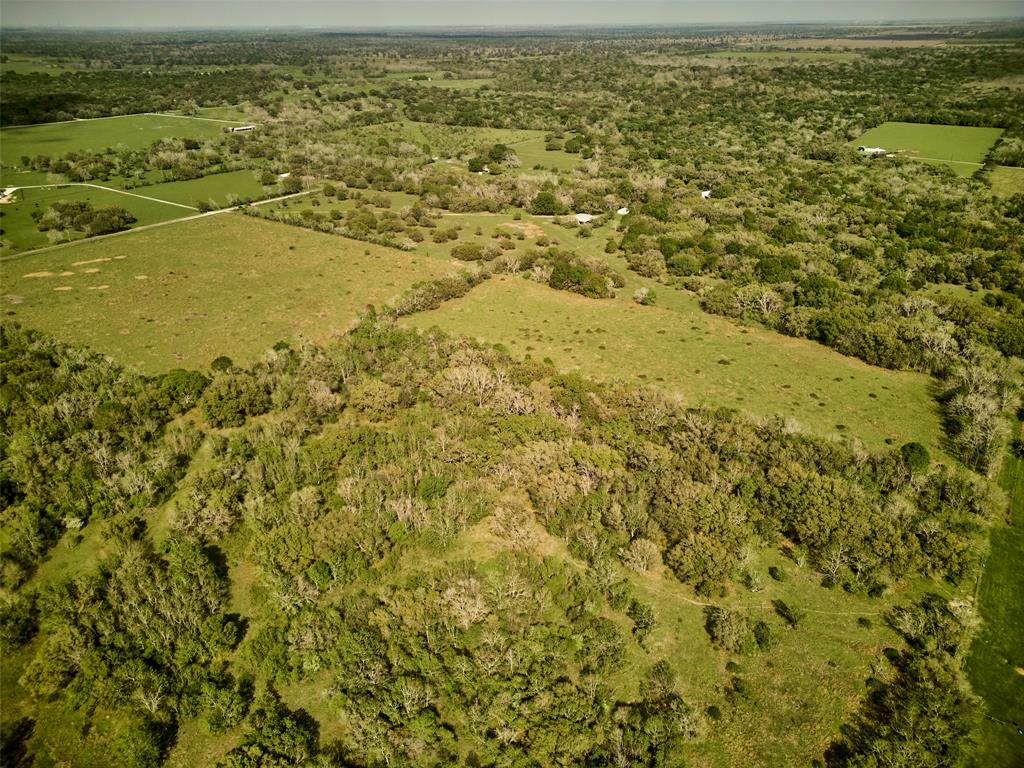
(132, 131)
(962, 148)
(20, 232)
(456, 84)
(24, 64)
(785, 55)
(532, 152)
(858, 42)
(1007, 180)
(218, 189)
(183, 294)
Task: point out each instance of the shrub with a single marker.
(468, 252)
(728, 629)
(915, 456)
(644, 297)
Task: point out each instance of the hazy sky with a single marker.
(519, 13)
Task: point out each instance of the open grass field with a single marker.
(996, 664)
(532, 152)
(962, 148)
(26, 64)
(132, 131)
(706, 359)
(1007, 181)
(180, 295)
(220, 189)
(20, 232)
(466, 84)
(785, 55)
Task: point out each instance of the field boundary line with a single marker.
(197, 117)
(944, 160)
(108, 189)
(14, 256)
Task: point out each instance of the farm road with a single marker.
(14, 256)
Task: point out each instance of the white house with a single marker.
(873, 151)
(240, 128)
(584, 218)
(705, 194)
(622, 211)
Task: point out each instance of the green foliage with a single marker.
(81, 216)
(546, 204)
(916, 457)
(578, 278)
(230, 398)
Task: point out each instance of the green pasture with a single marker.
(180, 295)
(962, 148)
(705, 359)
(220, 189)
(532, 152)
(232, 114)
(20, 232)
(996, 664)
(132, 131)
(1007, 180)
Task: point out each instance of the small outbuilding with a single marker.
(705, 194)
(622, 211)
(584, 218)
(241, 128)
(873, 151)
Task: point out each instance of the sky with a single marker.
(181, 14)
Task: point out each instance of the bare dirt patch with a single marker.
(98, 287)
(40, 274)
(13, 298)
(87, 261)
(529, 229)
(63, 288)
(92, 271)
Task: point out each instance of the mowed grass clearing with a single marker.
(220, 189)
(962, 148)
(532, 152)
(996, 663)
(1007, 180)
(21, 233)
(132, 131)
(180, 295)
